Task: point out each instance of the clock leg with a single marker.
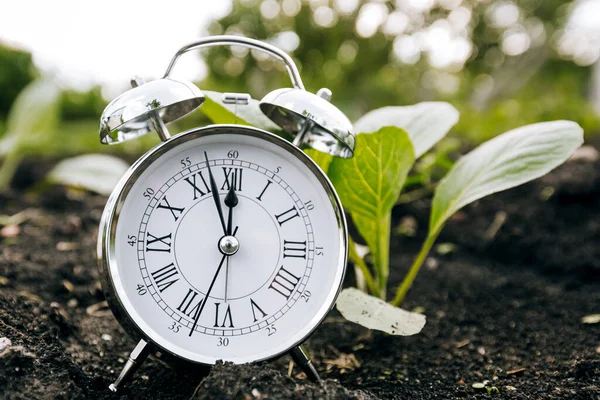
(301, 358)
(136, 358)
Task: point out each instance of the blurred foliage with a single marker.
(76, 105)
(510, 73)
(16, 72)
(501, 63)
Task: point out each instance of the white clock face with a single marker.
(165, 253)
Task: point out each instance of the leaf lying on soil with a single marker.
(374, 313)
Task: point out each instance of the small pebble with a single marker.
(66, 246)
(106, 337)
(10, 231)
(4, 344)
(72, 303)
(510, 388)
(68, 285)
(591, 319)
(478, 386)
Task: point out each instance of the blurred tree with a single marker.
(501, 62)
(16, 72)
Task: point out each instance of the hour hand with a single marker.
(215, 194)
(231, 200)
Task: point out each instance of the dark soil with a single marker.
(503, 305)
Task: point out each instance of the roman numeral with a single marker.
(174, 210)
(259, 198)
(188, 301)
(197, 190)
(284, 282)
(255, 306)
(163, 243)
(232, 175)
(287, 215)
(294, 249)
(163, 276)
(225, 317)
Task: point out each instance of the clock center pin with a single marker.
(229, 245)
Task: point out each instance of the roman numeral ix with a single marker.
(162, 243)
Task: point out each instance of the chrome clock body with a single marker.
(120, 288)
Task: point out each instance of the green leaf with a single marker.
(322, 159)
(509, 160)
(374, 313)
(426, 123)
(95, 172)
(369, 185)
(34, 113)
(249, 114)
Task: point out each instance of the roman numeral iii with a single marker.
(294, 249)
(284, 282)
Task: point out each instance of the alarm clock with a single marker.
(224, 242)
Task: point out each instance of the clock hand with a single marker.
(215, 194)
(231, 200)
(212, 283)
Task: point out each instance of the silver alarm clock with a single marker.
(225, 242)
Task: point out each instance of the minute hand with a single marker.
(215, 194)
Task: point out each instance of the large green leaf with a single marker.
(322, 159)
(248, 114)
(369, 184)
(508, 160)
(426, 123)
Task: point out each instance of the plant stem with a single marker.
(362, 266)
(382, 255)
(414, 269)
(415, 194)
(9, 167)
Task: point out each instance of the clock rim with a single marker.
(107, 230)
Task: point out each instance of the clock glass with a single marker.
(162, 247)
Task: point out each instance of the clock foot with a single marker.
(301, 358)
(136, 358)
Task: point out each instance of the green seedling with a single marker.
(388, 143)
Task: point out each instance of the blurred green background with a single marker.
(502, 64)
